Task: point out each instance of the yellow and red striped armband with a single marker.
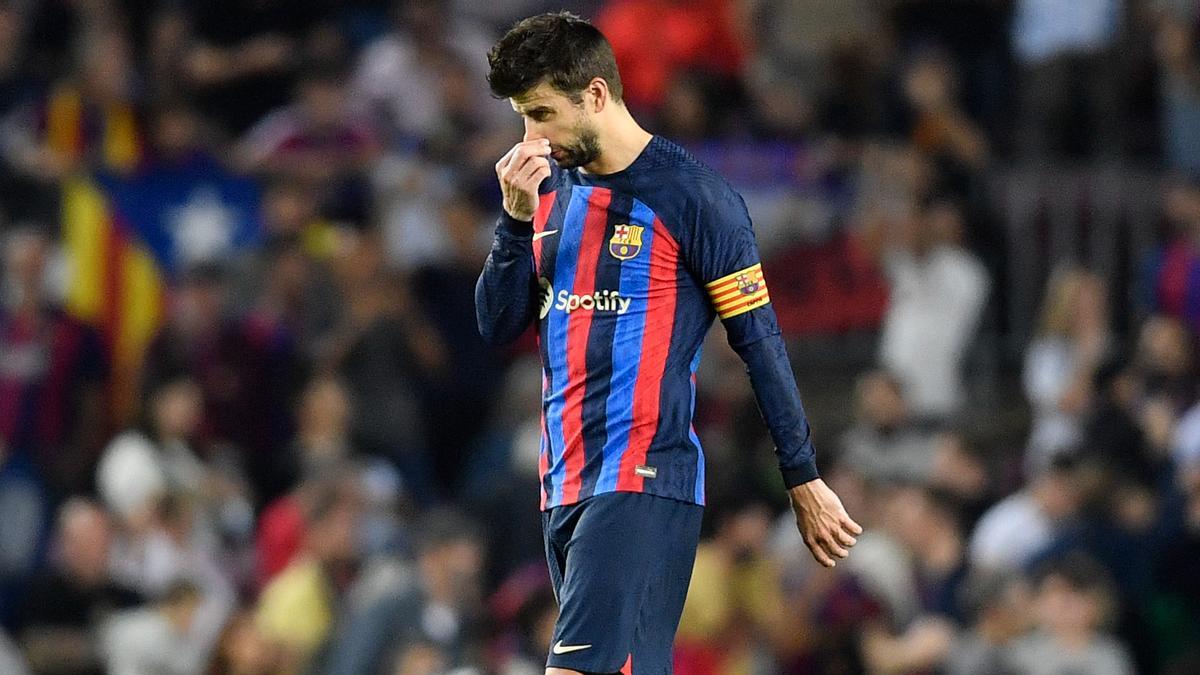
(739, 292)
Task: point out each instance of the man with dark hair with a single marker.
(623, 248)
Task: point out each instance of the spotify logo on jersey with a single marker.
(599, 301)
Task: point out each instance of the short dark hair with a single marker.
(560, 48)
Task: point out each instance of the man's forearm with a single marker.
(779, 401)
(504, 295)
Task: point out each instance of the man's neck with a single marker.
(620, 146)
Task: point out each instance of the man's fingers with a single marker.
(844, 538)
(818, 551)
(821, 556)
(851, 526)
(533, 166)
(521, 152)
(521, 167)
(500, 165)
(831, 546)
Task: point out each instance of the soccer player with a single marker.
(622, 248)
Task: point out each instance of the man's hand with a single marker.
(824, 525)
(521, 171)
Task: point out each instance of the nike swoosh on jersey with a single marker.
(546, 233)
(560, 648)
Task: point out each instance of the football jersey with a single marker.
(627, 272)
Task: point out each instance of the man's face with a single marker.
(569, 126)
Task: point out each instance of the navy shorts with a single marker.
(620, 563)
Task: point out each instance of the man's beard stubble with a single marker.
(585, 150)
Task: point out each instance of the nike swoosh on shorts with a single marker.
(560, 648)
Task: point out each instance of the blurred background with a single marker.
(247, 425)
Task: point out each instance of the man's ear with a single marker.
(597, 95)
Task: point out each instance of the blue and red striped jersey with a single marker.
(623, 275)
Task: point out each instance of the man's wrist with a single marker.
(515, 226)
(800, 475)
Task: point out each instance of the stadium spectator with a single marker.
(964, 472)
(1114, 440)
(928, 522)
(1179, 65)
(170, 636)
(248, 373)
(400, 76)
(1060, 362)
(169, 544)
(297, 609)
(886, 444)
(22, 530)
(688, 112)
(381, 349)
(938, 290)
(52, 372)
(432, 615)
(1019, 526)
(917, 632)
(319, 137)
(1164, 362)
(458, 391)
(734, 612)
(1073, 603)
(999, 607)
(1168, 286)
(1068, 57)
(141, 466)
(22, 196)
(87, 120)
(934, 121)
(801, 40)
(56, 626)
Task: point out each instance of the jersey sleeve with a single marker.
(505, 291)
(723, 256)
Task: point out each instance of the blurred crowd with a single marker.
(313, 463)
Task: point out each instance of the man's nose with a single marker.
(532, 133)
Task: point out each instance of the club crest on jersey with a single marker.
(747, 285)
(626, 241)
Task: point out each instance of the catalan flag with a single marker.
(739, 292)
(115, 284)
(125, 238)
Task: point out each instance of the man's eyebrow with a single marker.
(534, 109)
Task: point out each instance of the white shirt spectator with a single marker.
(143, 641)
(1010, 533)
(1050, 367)
(935, 306)
(133, 472)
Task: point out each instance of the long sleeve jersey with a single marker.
(623, 275)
